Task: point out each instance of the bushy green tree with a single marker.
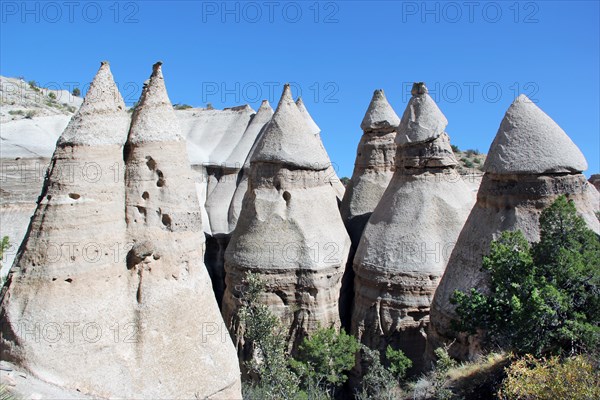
(76, 92)
(544, 297)
(325, 358)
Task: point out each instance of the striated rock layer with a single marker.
(407, 241)
(526, 170)
(174, 305)
(289, 231)
(67, 307)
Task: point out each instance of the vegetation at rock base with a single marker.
(544, 297)
(322, 365)
(325, 358)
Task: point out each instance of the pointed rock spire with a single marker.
(314, 128)
(425, 204)
(530, 142)
(380, 115)
(422, 120)
(103, 104)
(518, 184)
(288, 138)
(154, 118)
(81, 210)
(289, 202)
(165, 264)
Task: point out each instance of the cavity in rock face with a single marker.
(405, 245)
(289, 231)
(530, 163)
(68, 286)
(181, 338)
(373, 170)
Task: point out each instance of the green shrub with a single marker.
(455, 148)
(398, 362)
(32, 85)
(325, 358)
(181, 106)
(544, 298)
(469, 164)
(76, 92)
(16, 112)
(30, 114)
(52, 95)
(573, 378)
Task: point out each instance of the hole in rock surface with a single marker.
(287, 196)
(145, 196)
(74, 196)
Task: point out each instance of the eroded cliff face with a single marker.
(530, 163)
(113, 265)
(297, 248)
(405, 245)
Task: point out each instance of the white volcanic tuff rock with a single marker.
(212, 135)
(174, 303)
(312, 125)
(373, 170)
(221, 196)
(69, 272)
(334, 181)
(374, 165)
(380, 115)
(422, 119)
(509, 198)
(530, 142)
(222, 205)
(406, 243)
(255, 129)
(289, 231)
(290, 141)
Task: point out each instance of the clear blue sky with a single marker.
(474, 56)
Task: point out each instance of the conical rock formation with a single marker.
(373, 170)
(289, 231)
(181, 339)
(406, 243)
(67, 307)
(374, 165)
(520, 181)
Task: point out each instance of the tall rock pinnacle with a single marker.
(530, 163)
(289, 231)
(405, 245)
(174, 303)
(68, 286)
